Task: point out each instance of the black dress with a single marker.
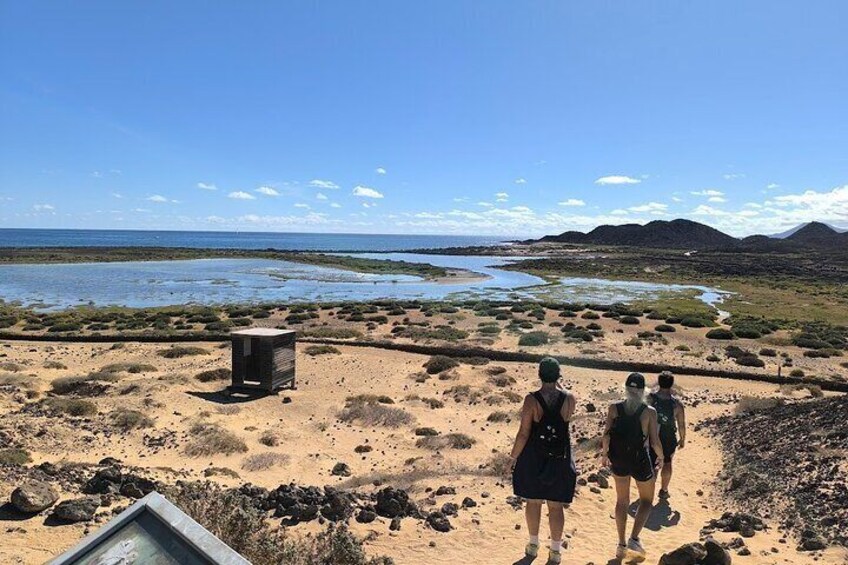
(537, 475)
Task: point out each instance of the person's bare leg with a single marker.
(665, 474)
(646, 502)
(533, 514)
(556, 519)
(622, 504)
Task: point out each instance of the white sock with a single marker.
(534, 540)
(556, 545)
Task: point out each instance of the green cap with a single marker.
(549, 370)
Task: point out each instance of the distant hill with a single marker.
(788, 233)
(686, 234)
(674, 234)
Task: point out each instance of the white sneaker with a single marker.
(620, 551)
(531, 550)
(635, 548)
(555, 556)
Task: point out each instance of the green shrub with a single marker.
(629, 320)
(371, 414)
(452, 441)
(767, 352)
(314, 350)
(440, 363)
(14, 457)
(331, 333)
(665, 328)
(797, 373)
(91, 384)
(179, 351)
(750, 361)
(220, 374)
(720, 333)
(533, 339)
(589, 315)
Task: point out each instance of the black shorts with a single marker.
(641, 467)
(669, 445)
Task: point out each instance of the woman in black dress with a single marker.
(543, 469)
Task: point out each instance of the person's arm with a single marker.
(568, 406)
(680, 416)
(654, 437)
(605, 439)
(524, 429)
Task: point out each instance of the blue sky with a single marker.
(486, 117)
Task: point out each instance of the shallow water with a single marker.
(219, 281)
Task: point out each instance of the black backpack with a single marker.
(551, 431)
(627, 440)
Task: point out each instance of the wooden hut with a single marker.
(263, 359)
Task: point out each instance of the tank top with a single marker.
(627, 439)
(665, 414)
(551, 433)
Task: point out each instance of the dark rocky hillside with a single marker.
(789, 461)
(674, 234)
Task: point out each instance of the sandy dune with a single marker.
(313, 441)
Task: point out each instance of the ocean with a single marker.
(15, 237)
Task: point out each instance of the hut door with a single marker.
(251, 360)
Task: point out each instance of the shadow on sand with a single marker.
(662, 516)
(227, 396)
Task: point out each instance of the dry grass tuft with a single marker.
(127, 420)
(314, 350)
(269, 438)
(211, 439)
(262, 461)
(179, 351)
(452, 441)
(220, 374)
(366, 413)
(71, 406)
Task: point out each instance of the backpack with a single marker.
(627, 440)
(665, 416)
(551, 432)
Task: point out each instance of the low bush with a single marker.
(207, 439)
(533, 339)
(315, 350)
(91, 384)
(665, 328)
(440, 363)
(133, 368)
(14, 456)
(426, 432)
(452, 441)
(71, 406)
(629, 320)
(370, 414)
(269, 438)
(767, 352)
(797, 373)
(720, 333)
(179, 351)
(499, 416)
(589, 315)
(127, 420)
(750, 404)
(211, 375)
(262, 461)
(331, 333)
(750, 361)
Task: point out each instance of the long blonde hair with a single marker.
(634, 399)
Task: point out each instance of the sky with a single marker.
(433, 117)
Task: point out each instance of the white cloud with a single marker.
(366, 192)
(335, 205)
(301, 205)
(707, 192)
(772, 186)
(206, 186)
(617, 179)
(485, 204)
(380, 171)
(140, 210)
(43, 207)
(520, 181)
(368, 205)
(321, 196)
(733, 176)
(326, 184)
(501, 197)
(572, 202)
(157, 198)
(656, 208)
(267, 191)
(676, 199)
(97, 174)
(619, 212)
(117, 195)
(717, 199)
(461, 199)
(241, 195)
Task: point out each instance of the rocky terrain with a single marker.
(790, 462)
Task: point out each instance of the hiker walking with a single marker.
(543, 469)
(631, 427)
(671, 418)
